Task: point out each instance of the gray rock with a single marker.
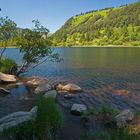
(7, 77)
(43, 88)
(15, 119)
(124, 117)
(78, 109)
(51, 94)
(4, 91)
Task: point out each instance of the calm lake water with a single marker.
(95, 69)
(91, 67)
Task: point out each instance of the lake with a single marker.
(108, 73)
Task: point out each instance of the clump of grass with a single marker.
(49, 117)
(48, 121)
(137, 114)
(107, 114)
(120, 134)
(6, 64)
(88, 113)
(106, 109)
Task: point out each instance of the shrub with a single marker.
(6, 65)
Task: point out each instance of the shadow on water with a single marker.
(19, 99)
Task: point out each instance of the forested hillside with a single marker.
(110, 26)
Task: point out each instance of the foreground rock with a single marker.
(7, 78)
(78, 109)
(69, 88)
(4, 91)
(17, 118)
(43, 88)
(124, 117)
(50, 94)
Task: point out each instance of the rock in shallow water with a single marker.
(35, 81)
(78, 109)
(69, 87)
(42, 88)
(7, 78)
(50, 94)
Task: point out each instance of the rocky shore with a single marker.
(73, 100)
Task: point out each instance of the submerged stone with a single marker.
(35, 81)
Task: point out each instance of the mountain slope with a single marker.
(110, 26)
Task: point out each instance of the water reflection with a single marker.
(94, 69)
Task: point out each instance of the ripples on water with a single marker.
(97, 70)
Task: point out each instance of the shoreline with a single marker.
(16, 47)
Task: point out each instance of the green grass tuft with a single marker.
(6, 64)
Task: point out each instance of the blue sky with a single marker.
(51, 13)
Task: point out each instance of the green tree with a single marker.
(35, 48)
(7, 31)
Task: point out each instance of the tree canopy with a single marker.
(33, 44)
(109, 26)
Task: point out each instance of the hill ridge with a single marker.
(108, 26)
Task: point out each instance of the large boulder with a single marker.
(4, 91)
(43, 88)
(50, 94)
(78, 109)
(15, 119)
(7, 78)
(69, 87)
(124, 117)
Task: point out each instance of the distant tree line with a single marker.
(115, 26)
